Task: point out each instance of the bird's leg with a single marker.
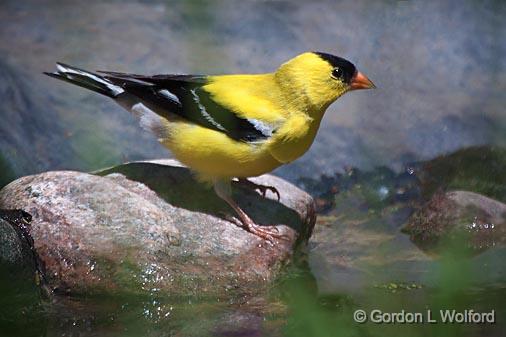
(224, 191)
(254, 186)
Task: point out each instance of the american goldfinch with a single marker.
(231, 126)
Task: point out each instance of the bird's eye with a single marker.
(337, 73)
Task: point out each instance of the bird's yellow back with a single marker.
(249, 96)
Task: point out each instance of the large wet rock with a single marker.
(148, 226)
(477, 221)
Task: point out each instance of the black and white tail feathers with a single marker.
(148, 119)
(86, 80)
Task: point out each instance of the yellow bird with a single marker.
(231, 126)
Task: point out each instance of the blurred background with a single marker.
(439, 67)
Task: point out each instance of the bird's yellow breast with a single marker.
(294, 138)
(212, 154)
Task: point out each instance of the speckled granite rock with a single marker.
(147, 226)
(474, 218)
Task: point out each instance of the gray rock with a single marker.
(148, 226)
(480, 222)
(16, 259)
(19, 282)
(12, 249)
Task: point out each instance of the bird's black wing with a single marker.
(185, 96)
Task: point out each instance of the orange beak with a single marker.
(360, 81)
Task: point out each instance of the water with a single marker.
(293, 308)
(440, 71)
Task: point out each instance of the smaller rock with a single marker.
(458, 215)
(17, 261)
(18, 273)
(14, 250)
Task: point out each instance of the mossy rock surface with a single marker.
(480, 169)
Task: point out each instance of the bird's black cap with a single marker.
(346, 66)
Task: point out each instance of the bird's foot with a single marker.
(243, 182)
(268, 233)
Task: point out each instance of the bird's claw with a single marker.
(264, 188)
(261, 188)
(268, 233)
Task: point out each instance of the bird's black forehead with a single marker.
(348, 68)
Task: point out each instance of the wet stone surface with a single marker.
(476, 219)
(148, 226)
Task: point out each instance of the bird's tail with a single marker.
(86, 80)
